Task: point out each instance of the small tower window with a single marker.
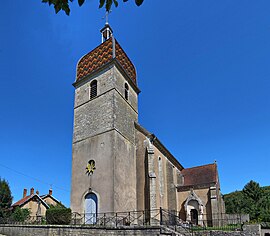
(93, 89)
(126, 91)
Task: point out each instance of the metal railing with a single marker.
(37, 220)
(151, 217)
(155, 217)
(223, 222)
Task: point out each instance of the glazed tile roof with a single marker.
(200, 175)
(102, 55)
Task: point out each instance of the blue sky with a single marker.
(203, 69)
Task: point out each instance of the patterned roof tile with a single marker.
(102, 55)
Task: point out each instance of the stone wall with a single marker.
(29, 230)
(248, 230)
(55, 230)
(265, 232)
(252, 230)
(232, 218)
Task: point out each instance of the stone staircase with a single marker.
(174, 231)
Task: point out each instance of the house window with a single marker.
(93, 89)
(126, 91)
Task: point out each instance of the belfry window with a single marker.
(93, 89)
(126, 91)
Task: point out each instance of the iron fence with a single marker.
(157, 217)
(151, 217)
(224, 222)
(37, 220)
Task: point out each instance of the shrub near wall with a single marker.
(58, 216)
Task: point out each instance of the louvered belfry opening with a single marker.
(126, 91)
(93, 89)
(106, 33)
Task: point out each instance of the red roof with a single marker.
(200, 175)
(102, 55)
(28, 198)
(22, 201)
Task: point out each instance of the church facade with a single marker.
(119, 166)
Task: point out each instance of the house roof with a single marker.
(50, 196)
(198, 175)
(21, 201)
(105, 53)
(26, 199)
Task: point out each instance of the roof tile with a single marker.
(23, 200)
(200, 175)
(102, 55)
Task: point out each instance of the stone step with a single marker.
(169, 231)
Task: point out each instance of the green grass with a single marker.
(221, 228)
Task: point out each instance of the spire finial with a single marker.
(106, 31)
(107, 17)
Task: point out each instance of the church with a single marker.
(118, 165)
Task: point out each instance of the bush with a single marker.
(58, 216)
(20, 215)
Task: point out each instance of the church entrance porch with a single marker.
(194, 209)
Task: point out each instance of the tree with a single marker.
(253, 200)
(5, 198)
(64, 4)
(234, 202)
(252, 191)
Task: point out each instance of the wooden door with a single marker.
(90, 208)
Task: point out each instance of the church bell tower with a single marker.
(103, 148)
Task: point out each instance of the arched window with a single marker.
(93, 89)
(126, 91)
(91, 207)
(161, 180)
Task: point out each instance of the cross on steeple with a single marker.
(107, 17)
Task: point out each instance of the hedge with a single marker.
(58, 216)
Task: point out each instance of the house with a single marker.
(50, 199)
(36, 203)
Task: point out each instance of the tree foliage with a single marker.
(64, 4)
(5, 198)
(20, 215)
(253, 200)
(234, 202)
(252, 191)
